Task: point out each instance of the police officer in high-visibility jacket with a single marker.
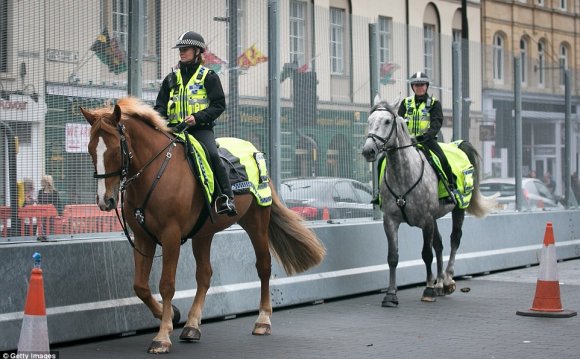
(191, 98)
(424, 120)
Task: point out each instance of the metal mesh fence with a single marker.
(59, 55)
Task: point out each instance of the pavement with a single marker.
(477, 321)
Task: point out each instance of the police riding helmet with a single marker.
(419, 78)
(190, 39)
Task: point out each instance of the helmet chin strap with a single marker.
(197, 57)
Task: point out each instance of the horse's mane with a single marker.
(132, 109)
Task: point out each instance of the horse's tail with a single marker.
(480, 205)
(294, 245)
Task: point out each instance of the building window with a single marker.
(540, 2)
(385, 39)
(563, 59)
(336, 41)
(541, 63)
(498, 58)
(145, 27)
(4, 37)
(297, 31)
(457, 36)
(429, 48)
(563, 5)
(121, 22)
(524, 60)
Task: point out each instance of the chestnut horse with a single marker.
(134, 153)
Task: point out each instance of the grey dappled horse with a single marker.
(409, 193)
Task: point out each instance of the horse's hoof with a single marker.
(439, 291)
(190, 334)
(429, 295)
(449, 289)
(262, 329)
(390, 301)
(159, 347)
(176, 315)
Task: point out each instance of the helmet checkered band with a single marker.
(190, 39)
(190, 42)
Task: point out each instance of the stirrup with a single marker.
(453, 195)
(227, 206)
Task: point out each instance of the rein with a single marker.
(400, 200)
(126, 157)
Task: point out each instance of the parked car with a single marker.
(535, 194)
(327, 198)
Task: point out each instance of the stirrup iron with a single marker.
(227, 206)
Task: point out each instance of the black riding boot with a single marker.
(451, 182)
(225, 202)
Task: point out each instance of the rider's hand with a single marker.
(420, 138)
(190, 120)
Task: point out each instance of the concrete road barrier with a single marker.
(89, 289)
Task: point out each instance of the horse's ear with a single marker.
(117, 114)
(88, 116)
(377, 100)
(396, 103)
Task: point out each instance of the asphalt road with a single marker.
(479, 321)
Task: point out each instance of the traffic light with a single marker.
(305, 98)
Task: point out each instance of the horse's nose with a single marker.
(369, 153)
(111, 203)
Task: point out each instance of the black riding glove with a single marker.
(420, 138)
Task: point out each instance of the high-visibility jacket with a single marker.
(419, 118)
(185, 100)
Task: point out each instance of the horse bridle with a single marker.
(399, 199)
(383, 140)
(125, 158)
(122, 172)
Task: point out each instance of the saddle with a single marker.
(460, 166)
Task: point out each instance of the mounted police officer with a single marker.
(424, 120)
(192, 98)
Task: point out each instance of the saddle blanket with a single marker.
(245, 165)
(247, 168)
(461, 167)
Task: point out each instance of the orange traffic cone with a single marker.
(34, 332)
(547, 301)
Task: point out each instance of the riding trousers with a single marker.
(433, 145)
(207, 138)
